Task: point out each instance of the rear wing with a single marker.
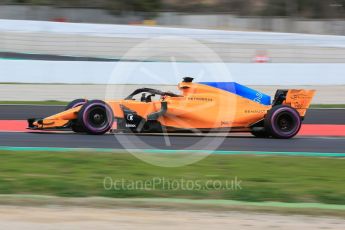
(300, 99)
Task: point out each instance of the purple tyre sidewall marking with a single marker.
(78, 104)
(296, 118)
(90, 127)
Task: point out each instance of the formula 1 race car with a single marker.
(204, 106)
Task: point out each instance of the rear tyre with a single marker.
(74, 125)
(282, 122)
(96, 117)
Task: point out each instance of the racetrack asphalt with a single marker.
(130, 141)
(23, 112)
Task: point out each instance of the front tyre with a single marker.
(96, 117)
(283, 122)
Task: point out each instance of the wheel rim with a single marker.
(97, 117)
(285, 122)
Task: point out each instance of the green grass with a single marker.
(264, 178)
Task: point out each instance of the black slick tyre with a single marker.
(96, 117)
(282, 122)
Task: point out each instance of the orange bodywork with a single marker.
(299, 99)
(199, 106)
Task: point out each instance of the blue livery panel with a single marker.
(241, 90)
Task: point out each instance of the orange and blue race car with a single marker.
(202, 107)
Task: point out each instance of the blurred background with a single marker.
(301, 41)
(298, 16)
(325, 17)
